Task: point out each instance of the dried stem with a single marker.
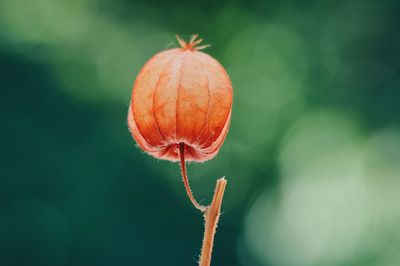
(211, 213)
(211, 218)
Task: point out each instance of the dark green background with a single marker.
(312, 157)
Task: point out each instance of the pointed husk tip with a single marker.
(192, 44)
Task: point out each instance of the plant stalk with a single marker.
(211, 213)
(211, 218)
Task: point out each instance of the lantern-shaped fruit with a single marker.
(180, 110)
(181, 101)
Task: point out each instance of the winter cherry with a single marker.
(181, 97)
(180, 110)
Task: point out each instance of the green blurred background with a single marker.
(312, 157)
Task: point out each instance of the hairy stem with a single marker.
(211, 217)
(211, 213)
